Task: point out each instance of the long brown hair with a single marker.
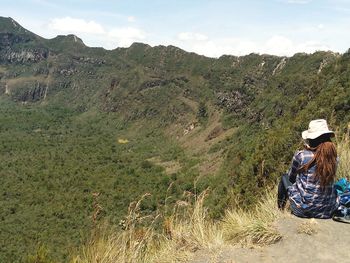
(325, 158)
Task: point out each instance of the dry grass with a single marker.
(308, 227)
(187, 230)
(254, 227)
(343, 149)
(129, 245)
(22, 80)
(170, 166)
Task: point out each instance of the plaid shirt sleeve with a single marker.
(296, 164)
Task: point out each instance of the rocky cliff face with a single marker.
(32, 92)
(18, 45)
(23, 55)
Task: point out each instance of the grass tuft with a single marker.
(254, 227)
(343, 150)
(186, 230)
(308, 227)
(128, 245)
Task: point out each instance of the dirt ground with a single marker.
(304, 240)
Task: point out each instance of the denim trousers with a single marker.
(282, 194)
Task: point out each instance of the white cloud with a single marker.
(311, 46)
(275, 45)
(185, 36)
(278, 45)
(75, 25)
(320, 26)
(218, 47)
(93, 34)
(131, 19)
(283, 46)
(125, 36)
(298, 1)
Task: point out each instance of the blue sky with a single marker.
(208, 27)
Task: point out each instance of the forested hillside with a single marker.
(85, 131)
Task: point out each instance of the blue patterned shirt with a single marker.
(306, 197)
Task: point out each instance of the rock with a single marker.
(93, 61)
(67, 72)
(234, 101)
(32, 92)
(189, 128)
(218, 130)
(24, 55)
(280, 66)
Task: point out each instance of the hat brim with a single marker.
(313, 135)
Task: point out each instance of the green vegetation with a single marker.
(189, 228)
(85, 131)
(52, 162)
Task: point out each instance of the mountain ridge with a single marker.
(9, 25)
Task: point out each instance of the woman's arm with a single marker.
(293, 171)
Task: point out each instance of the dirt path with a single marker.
(327, 241)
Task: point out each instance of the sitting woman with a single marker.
(309, 182)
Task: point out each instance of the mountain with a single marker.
(10, 26)
(79, 122)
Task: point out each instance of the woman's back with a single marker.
(307, 196)
(309, 182)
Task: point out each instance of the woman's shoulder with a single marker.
(303, 154)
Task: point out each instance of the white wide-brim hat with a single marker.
(316, 129)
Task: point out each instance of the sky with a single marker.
(207, 27)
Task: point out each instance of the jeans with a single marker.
(282, 194)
